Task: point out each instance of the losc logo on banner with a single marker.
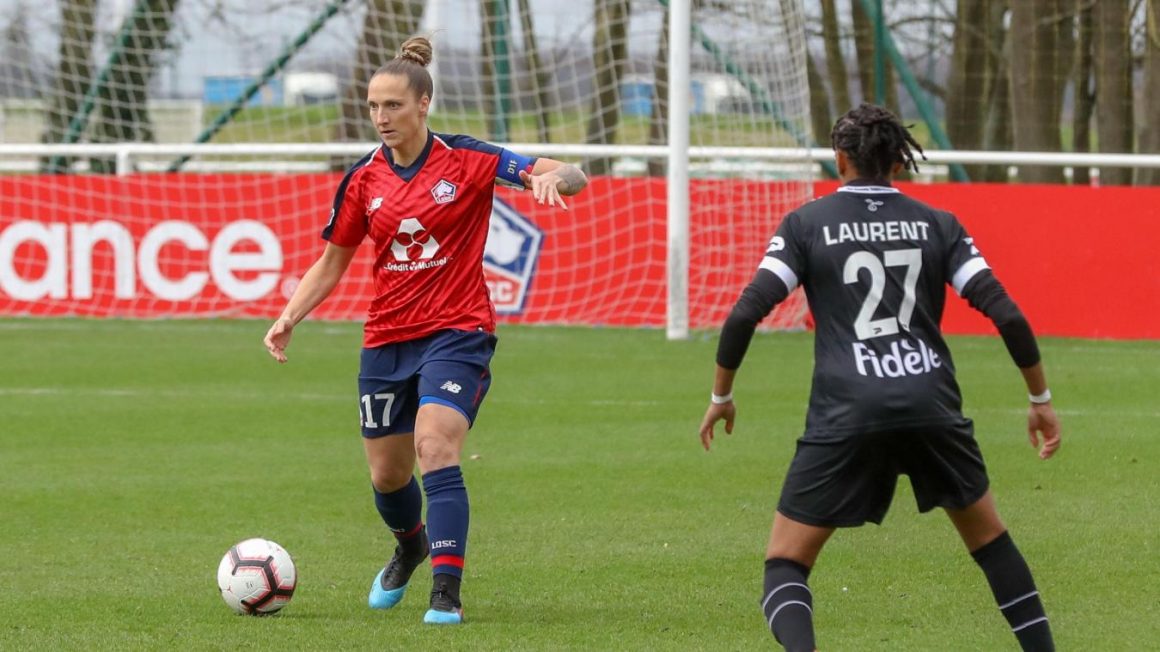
(509, 258)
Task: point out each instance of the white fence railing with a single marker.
(148, 157)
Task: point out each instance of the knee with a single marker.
(387, 478)
(434, 452)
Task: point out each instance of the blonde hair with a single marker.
(417, 49)
(411, 62)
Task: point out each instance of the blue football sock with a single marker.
(447, 517)
(402, 510)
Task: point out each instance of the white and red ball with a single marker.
(257, 577)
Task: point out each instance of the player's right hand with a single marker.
(278, 338)
(1041, 419)
(715, 413)
(545, 188)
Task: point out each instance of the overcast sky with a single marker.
(241, 37)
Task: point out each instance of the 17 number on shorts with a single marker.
(369, 404)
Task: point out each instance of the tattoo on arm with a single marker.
(572, 180)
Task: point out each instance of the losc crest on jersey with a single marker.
(510, 256)
(443, 192)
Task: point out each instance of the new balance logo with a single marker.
(452, 387)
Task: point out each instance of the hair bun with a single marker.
(416, 49)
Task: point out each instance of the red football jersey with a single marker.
(429, 224)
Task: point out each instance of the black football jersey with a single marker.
(874, 264)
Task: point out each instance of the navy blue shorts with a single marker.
(449, 368)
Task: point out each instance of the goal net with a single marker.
(105, 210)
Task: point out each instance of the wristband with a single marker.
(721, 400)
(1039, 399)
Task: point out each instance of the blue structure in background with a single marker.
(225, 89)
(636, 96)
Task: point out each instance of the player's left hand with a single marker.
(545, 188)
(278, 338)
(1041, 419)
(715, 413)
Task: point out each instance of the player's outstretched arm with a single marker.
(551, 180)
(985, 294)
(317, 284)
(757, 300)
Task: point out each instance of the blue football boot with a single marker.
(391, 583)
(445, 606)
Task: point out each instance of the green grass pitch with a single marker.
(133, 454)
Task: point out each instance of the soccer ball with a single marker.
(257, 577)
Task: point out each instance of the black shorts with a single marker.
(848, 482)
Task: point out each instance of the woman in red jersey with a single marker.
(425, 201)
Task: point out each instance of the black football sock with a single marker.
(789, 605)
(1014, 590)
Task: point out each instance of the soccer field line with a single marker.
(187, 326)
(162, 393)
(135, 392)
(1070, 412)
(529, 333)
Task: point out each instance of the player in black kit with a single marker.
(874, 264)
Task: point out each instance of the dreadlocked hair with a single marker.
(875, 141)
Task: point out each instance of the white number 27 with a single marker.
(865, 327)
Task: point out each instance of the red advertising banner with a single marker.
(1080, 261)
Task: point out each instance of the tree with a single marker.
(123, 105)
(997, 134)
(74, 70)
(18, 73)
(541, 80)
(1036, 87)
(864, 45)
(835, 62)
(1150, 134)
(610, 52)
(820, 118)
(863, 49)
(1085, 93)
(659, 109)
(969, 79)
(386, 25)
(1113, 67)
